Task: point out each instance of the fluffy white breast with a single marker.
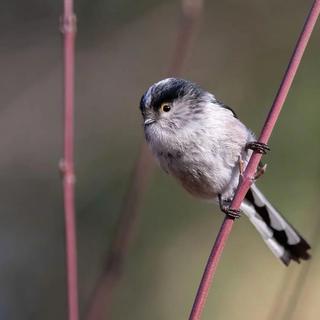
(204, 153)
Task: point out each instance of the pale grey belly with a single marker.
(197, 183)
(200, 177)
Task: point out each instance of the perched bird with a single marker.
(201, 142)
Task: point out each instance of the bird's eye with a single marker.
(165, 107)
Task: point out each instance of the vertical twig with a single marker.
(276, 309)
(68, 28)
(247, 180)
(102, 295)
(296, 292)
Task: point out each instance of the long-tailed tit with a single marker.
(201, 142)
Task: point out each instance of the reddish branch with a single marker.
(101, 298)
(247, 180)
(68, 27)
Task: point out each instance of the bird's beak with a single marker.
(148, 121)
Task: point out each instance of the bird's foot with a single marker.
(260, 171)
(257, 146)
(241, 166)
(225, 207)
(232, 213)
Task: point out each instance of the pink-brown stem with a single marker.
(68, 27)
(251, 168)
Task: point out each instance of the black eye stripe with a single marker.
(165, 95)
(172, 90)
(167, 91)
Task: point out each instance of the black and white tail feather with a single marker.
(282, 239)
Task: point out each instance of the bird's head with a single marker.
(172, 103)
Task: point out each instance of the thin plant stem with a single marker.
(68, 28)
(277, 306)
(251, 168)
(100, 301)
(296, 292)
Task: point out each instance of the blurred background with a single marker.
(240, 51)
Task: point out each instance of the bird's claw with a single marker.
(257, 146)
(260, 172)
(232, 213)
(241, 166)
(225, 207)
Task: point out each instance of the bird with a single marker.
(202, 143)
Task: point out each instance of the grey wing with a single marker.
(227, 107)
